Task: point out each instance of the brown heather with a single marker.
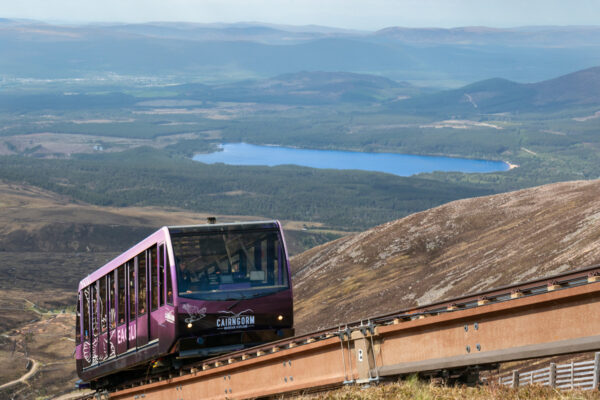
(456, 249)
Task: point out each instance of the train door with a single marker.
(132, 310)
(165, 315)
(155, 313)
(142, 300)
(121, 331)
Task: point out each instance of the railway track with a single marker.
(545, 317)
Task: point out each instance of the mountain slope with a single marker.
(459, 248)
(580, 88)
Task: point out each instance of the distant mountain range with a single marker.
(228, 52)
(534, 36)
(581, 88)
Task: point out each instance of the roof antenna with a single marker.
(211, 220)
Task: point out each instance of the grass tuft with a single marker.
(414, 389)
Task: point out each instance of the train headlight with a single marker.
(189, 325)
(280, 317)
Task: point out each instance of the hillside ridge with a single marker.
(499, 95)
(462, 247)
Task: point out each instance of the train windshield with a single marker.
(229, 265)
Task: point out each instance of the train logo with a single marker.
(194, 313)
(241, 320)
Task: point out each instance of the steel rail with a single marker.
(548, 316)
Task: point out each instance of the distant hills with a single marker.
(301, 88)
(306, 87)
(546, 36)
(581, 88)
(456, 249)
(573, 91)
(184, 52)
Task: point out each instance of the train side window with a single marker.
(102, 304)
(161, 274)
(78, 320)
(86, 313)
(276, 265)
(131, 285)
(121, 292)
(271, 261)
(94, 309)
(154, 278)
(142, 283)
(110, 281)
(169, 287)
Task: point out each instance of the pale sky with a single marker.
(352, 14)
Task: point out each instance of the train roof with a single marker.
(223, 226)
(164, 233)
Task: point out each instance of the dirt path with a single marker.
(23, 379)
(73, 395)
(533, 153)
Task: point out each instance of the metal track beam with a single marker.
(520, 323)
(312, 365)
(556, 322)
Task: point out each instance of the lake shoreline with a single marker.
(393, 163)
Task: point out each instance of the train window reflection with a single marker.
(121, 291)
(94, 309)
(86, 313)
(169, 288)
(153, 277)
(111, 299)
(131, 275)
(77, 320)
(229, 265)
(102, 304)
(161, 274)
(142, 283)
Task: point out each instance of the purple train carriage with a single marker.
(182, 294)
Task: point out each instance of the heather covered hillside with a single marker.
(459, 248)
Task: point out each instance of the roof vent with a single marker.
(211, 220)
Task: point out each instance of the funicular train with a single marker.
(182, 294)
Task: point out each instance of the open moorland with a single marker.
(462, 247)
(466, 246)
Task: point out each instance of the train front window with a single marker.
(229, 265)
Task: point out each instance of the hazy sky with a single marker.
(356, 14)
